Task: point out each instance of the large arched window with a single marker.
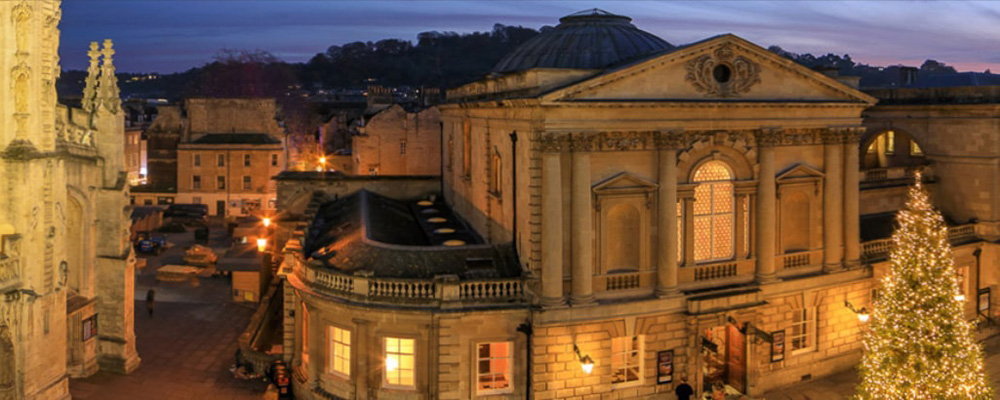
(713, 212)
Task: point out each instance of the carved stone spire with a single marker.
(90, 88)
(108, 95)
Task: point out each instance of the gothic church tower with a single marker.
(66, 298)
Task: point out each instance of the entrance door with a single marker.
(736, 363)
(220, 208)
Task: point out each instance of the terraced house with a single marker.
(616, 214)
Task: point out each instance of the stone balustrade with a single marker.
(441, 291)
(876, 250)
(722, 270)
(880, 175)
(798, 260)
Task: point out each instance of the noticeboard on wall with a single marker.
(983, 302)
(665, 367)
(778, 346)
(89, 328)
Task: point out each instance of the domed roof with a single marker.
(591, 39)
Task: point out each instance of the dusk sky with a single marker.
(174, 35)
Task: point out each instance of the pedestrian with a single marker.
(150, 300)
(683, 390)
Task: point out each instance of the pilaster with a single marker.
(833, 206)
(667, 266)
(766, 205)
(582, 223)
(552, 146)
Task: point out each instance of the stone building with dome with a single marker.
(631, 213)
(66, 263)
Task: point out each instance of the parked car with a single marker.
(150, 243)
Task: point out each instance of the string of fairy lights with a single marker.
(918, 344)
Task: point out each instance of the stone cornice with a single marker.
(683, 139)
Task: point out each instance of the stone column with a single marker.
(363, 340)
(666, 252)
(582, 245)
(852, 182)
(766, 199)
(833, 207)
(552, 239)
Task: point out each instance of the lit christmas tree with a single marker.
(918, 344)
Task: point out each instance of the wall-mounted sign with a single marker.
(983, 302)
(778, 346)
(665, 367)
(90, 327)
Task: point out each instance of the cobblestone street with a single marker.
(188, 345)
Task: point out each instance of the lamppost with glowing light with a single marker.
(863, 314)
(322, 163)
(586, 363)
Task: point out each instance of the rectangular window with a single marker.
(196, 200)
(221, 160)
(402, 147)
(274, 160)
(626, 359)
(890, 143)
(399, 363)
(246, 160)
(197, 160)
(220, 182)
(494, 366)
(915, 149)
(246, 182)
(802, 332)
(339, 359)
(196, 182)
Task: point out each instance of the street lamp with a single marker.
(586, 363)
(266, 221)
(863, 315)
(322, 163)
(261, 244)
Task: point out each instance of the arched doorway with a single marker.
(892, 148)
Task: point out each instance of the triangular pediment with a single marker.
(723, 68)
(624, 182)
(799, 172)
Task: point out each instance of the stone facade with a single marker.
(671, 221)
(67, 304)
(395, 141)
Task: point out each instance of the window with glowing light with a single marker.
(713, 212)
(890, 142)
(339, 357)
(399, 363)
(915, 149)
(626, 359)
(494, 366)
(803, 330)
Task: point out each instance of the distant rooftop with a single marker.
(236, 138)
(590, 39)
(402, 239)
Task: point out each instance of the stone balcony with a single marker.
(10, 272)
(879, 249)
(891, 176)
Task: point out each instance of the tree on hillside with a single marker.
(919, 345)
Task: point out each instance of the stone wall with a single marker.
(398, 142)
(295, 189)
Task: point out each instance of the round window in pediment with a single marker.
(722, 73)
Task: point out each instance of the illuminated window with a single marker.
(467, 148)
(873, 147)
(915, 149)
(339, 359)
(399, 362)
(495, 173)
(197, 160)
(494, 363)
(305, 334)
(803, 330)
(713, 212)
(626, 359)
(960, 279)
(890, 142)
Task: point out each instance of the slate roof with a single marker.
(236, 138)
(591, 39)
(393, 239)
